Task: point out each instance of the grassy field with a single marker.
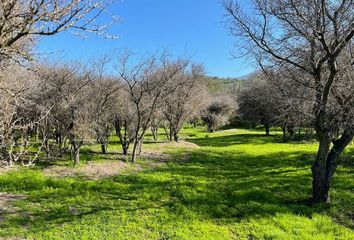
(238, 184)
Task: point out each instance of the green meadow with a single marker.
(231, 184)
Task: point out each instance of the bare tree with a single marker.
(22, 22)
(102, 101)
(66, 88)
(256, 103)
(146, 83)
(124, 120)
(218, 112)
(315, 38)
(156, 123)
(264, 99)
(19, 116)
(188, 98)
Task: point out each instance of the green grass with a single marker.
(238, 185)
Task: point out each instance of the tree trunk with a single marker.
(291, 131)
(47, 148)
(267, 128)
(283, 128)
(135, 148)
(123, 137)
(325, 165)
(125, 148)
(166, 132)
(140, 144)
(171, 133)
(320, 181)
(75, 151)
(61, 145)
(154, 130)
(76, 155)
(104, 148)
(210, 128)
(175, 137)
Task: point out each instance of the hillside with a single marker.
(228, 85)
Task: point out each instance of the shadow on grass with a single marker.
(237, 139)
(224, 141)
(86, 155)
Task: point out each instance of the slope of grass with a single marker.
(237, 185)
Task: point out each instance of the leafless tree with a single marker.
(22, 22)
(19, 116)
(147, 82)
(256, 103)
(24, 109)
(218, 112)
(124, 120)
(263, 99)
(156, 123)
(188, 97)
(293, 108)
(315, 39)
(102, 100)
(66, 88)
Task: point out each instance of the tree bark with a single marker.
(154, 130)
(320, 182)
(283, 128)
(123, 137)
(125, 148)
(77, 157)
(267, 128)
(167, 133)
(76, 153)
(291, 131)
(104, 148)
(175, 137)
(47, 148)
(134, 152)
(171, 133)
(325, 165)
(140, 144)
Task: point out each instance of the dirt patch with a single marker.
(6, 203)
(4, 170)
(157, 153)
(156, 156)
(94, 170)
(183, 144)
(162, 146)
(100, 170)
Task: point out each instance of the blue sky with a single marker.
(192, 26)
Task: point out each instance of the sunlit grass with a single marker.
(238, 185)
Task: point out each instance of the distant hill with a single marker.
(246, 77)
(220, 85)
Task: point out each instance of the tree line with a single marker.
(57, 107)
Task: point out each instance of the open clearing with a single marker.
(234, 184)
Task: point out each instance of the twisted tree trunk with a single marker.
(325, 165)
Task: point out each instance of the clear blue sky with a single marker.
(148, 25)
